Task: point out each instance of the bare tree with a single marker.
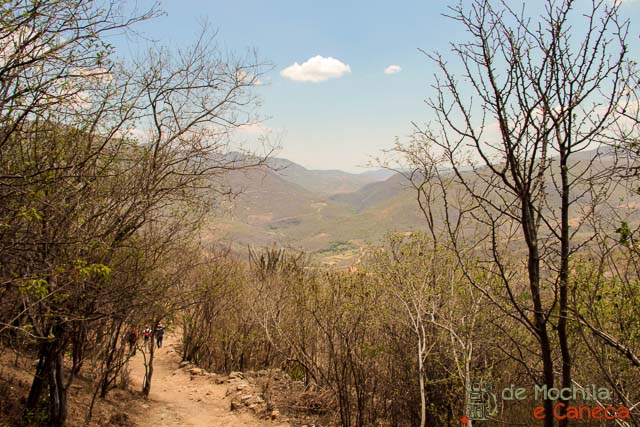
(93, 155)
(511, 117)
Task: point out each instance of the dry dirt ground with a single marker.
(177, 397)
(180, 399)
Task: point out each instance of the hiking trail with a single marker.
(180, 399)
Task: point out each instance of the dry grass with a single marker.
(301, 405)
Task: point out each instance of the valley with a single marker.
(333, 215)
(329, 214)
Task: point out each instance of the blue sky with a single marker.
(343, 121)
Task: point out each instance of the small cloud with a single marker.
(316, 69)
(392, 69)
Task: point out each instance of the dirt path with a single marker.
(178, 399)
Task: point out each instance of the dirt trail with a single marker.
(178, 399)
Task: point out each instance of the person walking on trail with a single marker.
(159, 334)
(146, 332)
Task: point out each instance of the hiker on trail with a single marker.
(159, 334)
(133, 340)
(146, 333)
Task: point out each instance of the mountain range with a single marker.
(329, 214)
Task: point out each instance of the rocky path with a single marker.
(180, 399)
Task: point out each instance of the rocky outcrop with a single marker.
(246, 391)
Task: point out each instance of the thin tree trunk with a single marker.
(113, 357)
(467, 385)
(423, 398)
(540, 321)
(564, 279)
(58, 391)
(146, 388)
(40, 378)
(50, 372)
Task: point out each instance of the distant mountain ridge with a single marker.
(325, 182)
(329, 213)
(285, 204)
(373, 193)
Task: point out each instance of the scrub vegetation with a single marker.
(521, 268)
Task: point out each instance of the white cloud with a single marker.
(316, 69)
(392, 69)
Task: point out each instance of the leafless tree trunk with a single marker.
(527, 100)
